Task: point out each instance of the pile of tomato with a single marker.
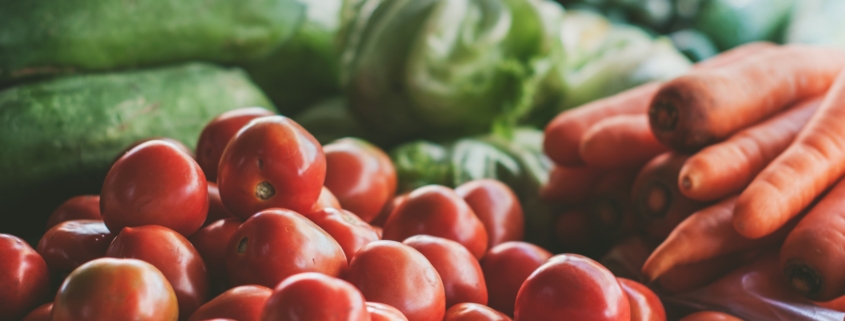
(264, 223)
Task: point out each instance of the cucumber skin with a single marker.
(46, 37)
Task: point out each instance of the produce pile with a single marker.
(421, 160)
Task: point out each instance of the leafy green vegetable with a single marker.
(731, 23)
(421, 163)
(330, 120)
(818, 22)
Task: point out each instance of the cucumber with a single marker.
(44, 37)
(59, 137)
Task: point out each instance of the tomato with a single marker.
(211, 242)
(474, 312)
(458, 269)
(70, 244)
(216, 209)
(710, 316)
(347, 229)
(497, 207)
(388, 209)
(41, 313)
(83, 207)
(314, 296)
(24, 278)
(645, 305)
(271, 162)
(179, 144)
(398, 275)
(277, 243)
(217, 134)
(110, 289)
(505, 267)
(384, 312)
(436, 210)
(173, 255)
(571, 287)
(155, 183)
(326, 199)
(243, 303)
(361, 175)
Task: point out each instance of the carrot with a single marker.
(623, 141)
(610, 209)
(692, 276)
(734, 55)
(569, 185)
(837, 304)
(726, 168)
(811, 164)
(703, 107)
(625, 259)
(710, 316)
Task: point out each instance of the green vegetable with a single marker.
(694, 44)
(42, 37)
(818, 22)
(330, 120)
(731, 23)
(421, 163)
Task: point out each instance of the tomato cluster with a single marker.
(267, 224)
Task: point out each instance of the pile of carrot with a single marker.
(744, 153)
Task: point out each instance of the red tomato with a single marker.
(710, 316)
(83, 207)
(458, 269)
(216, 209)
(361, 176)
(506, 266)
(645, 305)
(150, 185)
(211, 242)
(70, 244)
(173, 255)
(277, 243)
(398, 275)
(388, 209)
(24, 278)
(314, 296)
(497, 207)
(179, 144)
(219, 132)
(111, 289)
(436, 210)
(379, 232)
(347, 229)
(272, 162)
(571, 287)
(326, 199)
(474, 312)
(384, 312)
(243, 303)
(42, 313)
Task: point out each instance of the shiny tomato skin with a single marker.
(395, 274)
(89, 293)
(436, 210)
(243, 303)
(216, 209)
(24, 278)
(474, 312)
(272, 162)
(70, 244)
(460, 272)
(312, 296)
(384, 312)
(360, 175)
(211, 241)
(497, 207)
(571, 287)
(258, 253)
(173, 255)
(326, 199)
(388, 209)
(82, 207)
(217, 134)
(505, 267)
(41, 313)
(645, 305)
(348, 230)
(155, 183)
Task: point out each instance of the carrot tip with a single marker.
(663, 115)
(686, 183)
(804, 279)
(656, 201)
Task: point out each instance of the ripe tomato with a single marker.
(497, 207)
(347, 229)
(710, 316)
(243, 303)
(326, 199)
(218, 132)
(211, 242)
(388, 209)
(645, 305)
(24, 278)
(398, 275)
(271, 162)
(155, 184)
(277, 243)
(41, 313)
(83, 207)
(173, 255)
(72, 243)
(384, 312)
(314, 296)
(216, 209)
(506, 266)
(91, 292)
(571, 287)
(179, 144)
(474, 312)
(361, 175)
(436, 210)
(458, 269)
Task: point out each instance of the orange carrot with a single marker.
(726, 168)
(568, 185)
(610, 209)
(710, 316)
(624, 141)
(703, 107)
(695, 275)
(811, 164)
(736, 54)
